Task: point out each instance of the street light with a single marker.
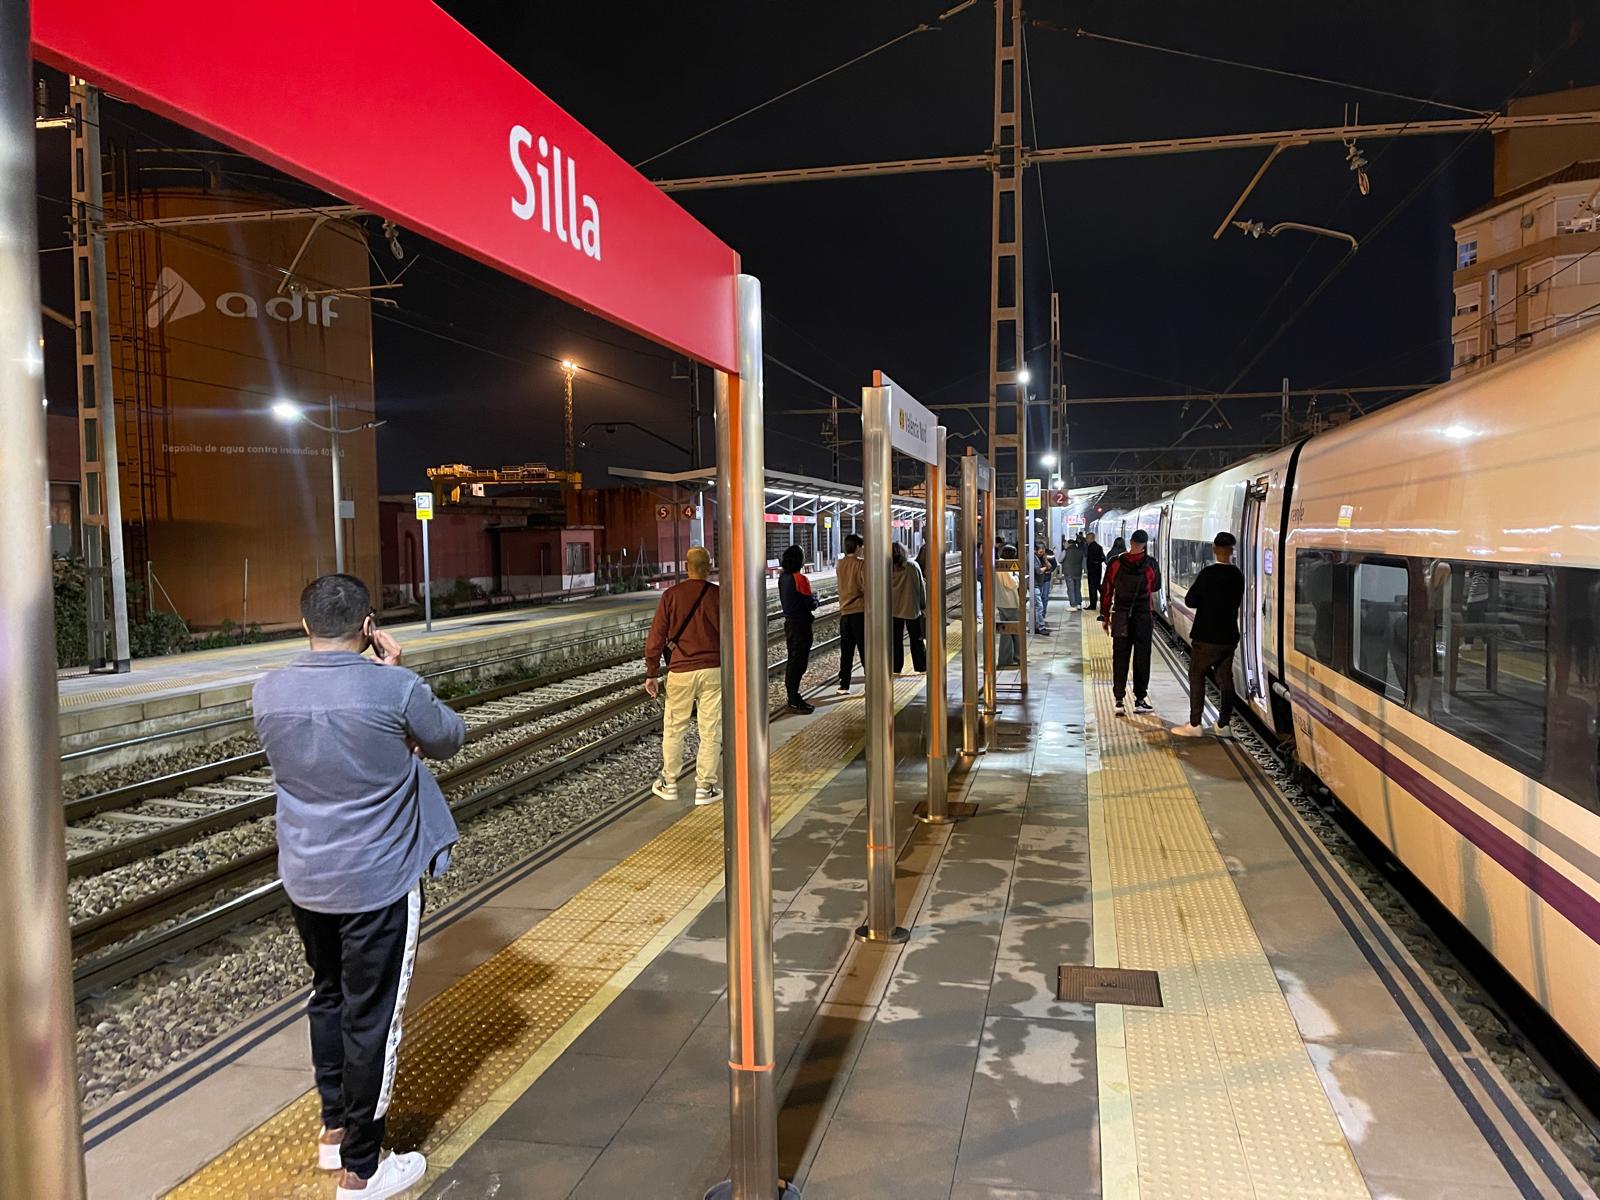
(288, 412)
(1024, 375)
(1048, 460)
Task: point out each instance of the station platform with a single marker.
(567, 1034)
(200, 693)
(180, 691)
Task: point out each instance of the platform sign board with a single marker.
(424, 503)
(1032, 494)
(663, 512)
(1058, 498)
(1075, 520)
(913, 430)
(462, 149)
(985, 473)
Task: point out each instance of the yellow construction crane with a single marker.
(449, 479)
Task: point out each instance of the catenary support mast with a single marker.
(1008, 388)
(100, 499)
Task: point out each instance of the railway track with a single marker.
(118, 826)
(247, 895)
(123, 941)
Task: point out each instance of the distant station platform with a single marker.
(567, 1033)
(209, 690)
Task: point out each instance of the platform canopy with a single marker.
(394, 106)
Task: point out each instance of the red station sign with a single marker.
(366, 99)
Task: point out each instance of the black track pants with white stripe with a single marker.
(361, 965)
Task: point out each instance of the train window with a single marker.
(1572, 766)
(1379, 589)
(1189, 558)
(1314, 604)
(1487, 681)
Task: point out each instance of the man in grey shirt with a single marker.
(360, 821)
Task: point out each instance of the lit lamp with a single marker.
(288, 413)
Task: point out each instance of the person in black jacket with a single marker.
(1215, 596)
(799, 606)
(1094, 560)
(1127, 612)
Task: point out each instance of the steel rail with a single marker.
(139, 955)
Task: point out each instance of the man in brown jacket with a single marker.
(852, 581)
(688, 629)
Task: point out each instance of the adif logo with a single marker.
(174, 298)
(902, 416)
(557, 198)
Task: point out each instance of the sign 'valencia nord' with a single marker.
(398, 109)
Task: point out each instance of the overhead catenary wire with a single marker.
(1246, 66)
(1399, 207)
(924, 27)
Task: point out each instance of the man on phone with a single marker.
(360, 821)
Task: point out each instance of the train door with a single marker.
(1252, 613)
(1159, 549)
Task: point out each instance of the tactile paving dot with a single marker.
(1226, 1102)
(471, 1038)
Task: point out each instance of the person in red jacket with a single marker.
(1127, 603)
(687, 630)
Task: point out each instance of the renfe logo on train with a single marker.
(555, 204)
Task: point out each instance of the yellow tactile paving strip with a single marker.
(475, 1047)
(1215, 1090)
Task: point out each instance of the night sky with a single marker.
(893, 272)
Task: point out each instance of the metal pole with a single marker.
(338, 491)
(427, 581)
(106, 403)
(41, 1153)
(1283, 414)
(746, 811)
(876, 462)
(244, 616)
(937, 811)
(969, 606)
(677, 537)
(989, 647)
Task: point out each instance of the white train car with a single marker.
(1422, 618)
(1442, 581)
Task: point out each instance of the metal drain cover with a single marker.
(1108, 985)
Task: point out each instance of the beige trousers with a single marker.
(686, 690)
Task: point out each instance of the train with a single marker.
(1419, 628)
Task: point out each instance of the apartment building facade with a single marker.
(1527, 267)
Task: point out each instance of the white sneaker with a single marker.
(842, 691)
(707, 795)
(328, 1153)
(394, 1175)
(1222, 731)
(1143, 706)
(1187, 731)
(1122, 709)
(663, 789)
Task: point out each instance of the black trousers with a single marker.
(1207, 660)
(852, 642)
(919, 647)
(798, 635)
(361, 966)
(1136, 645)
(1094, 586)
